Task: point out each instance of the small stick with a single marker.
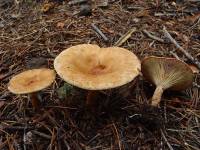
(168, 144)
(175, 55)
(3, 144)
(125, 37)
(99, 32)
(92, 139)
(117, 136)
(25, 129)
(17, 128)
(66, 144)
(196, 85)
(153, 36)
(41, 134)
(197, 122)
(4, 95)
(188, 55)
(61, 107)
(74, 2)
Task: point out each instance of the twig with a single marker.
(3, 144)
(168, 144)
(196, 85)
(50, 53)
(197, 122)
(17, 128)
(41, 134)
(99, 32)
(159, 14)
(25, 130)
(175, 55)
(66, 144)
(61, 107)
(74, 2)
(176, 130)
(153, 36)
(125, 37)
(53, 137)
(92, 139)
(6, 75)
(80, 133)
(4, 96)
(188, 55)
(117, 136)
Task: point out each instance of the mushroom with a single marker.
(92, 68)
(30, 82)
(166, 73)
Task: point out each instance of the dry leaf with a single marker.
(185, 38)
(46, 7)
(193, 19)
(60, 25)
(142, 13)
(169, 23)
(173, 4)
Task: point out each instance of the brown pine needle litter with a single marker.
(123, 118)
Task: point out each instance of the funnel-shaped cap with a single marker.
(169, 73)
(90, 67)
(31, 81)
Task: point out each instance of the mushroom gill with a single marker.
(166, 73)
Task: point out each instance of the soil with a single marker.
(33, 33)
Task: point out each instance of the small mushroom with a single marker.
(30, 82)
(166, 73)
(93, 68)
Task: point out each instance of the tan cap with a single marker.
(90, 67)
(169, 73)
(31, 81)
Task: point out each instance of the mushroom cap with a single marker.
(169, 73)
(31, 81)
(90, 67)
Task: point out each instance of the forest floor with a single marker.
(33, 32)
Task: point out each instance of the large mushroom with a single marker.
(30, 82)
(92, 68)
(166, 73)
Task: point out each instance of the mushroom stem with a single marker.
(90, 99)
(157, 96)
(34, 100)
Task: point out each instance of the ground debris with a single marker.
(32, 37)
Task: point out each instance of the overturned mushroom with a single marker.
(93, 68)
(30, 82)
(166, 73)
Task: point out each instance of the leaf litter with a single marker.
(123, 120)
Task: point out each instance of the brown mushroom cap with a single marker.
(90, 67)
(31, 81)
(169, 73)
